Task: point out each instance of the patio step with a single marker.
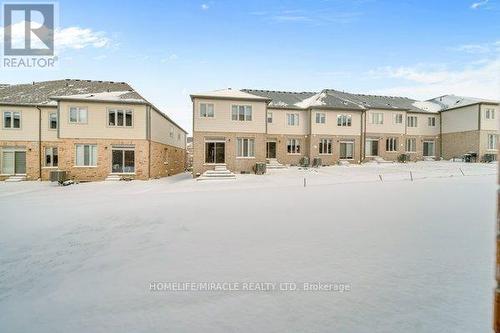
(274, 164)
(113, 178)
(15, 179)
(219, 172)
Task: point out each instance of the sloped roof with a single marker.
(39, 93)
(112, 96)
(446, 102)
(229, 93)
(281, 99)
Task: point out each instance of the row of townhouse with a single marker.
(91, 129)
(241, 127)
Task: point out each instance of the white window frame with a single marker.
(12, 116)
(340, 150)
(79, 117)
(125, 113)
(377, 118)
(344, 120)
(49, 151)
(492, 141)
(431, 121)
(209, 111)
(412, 121)
(411, 145)
(50, 121)
(489, 113)
(243, 144)
(292, 119)
(92, 158)
(325, 147)
(398, 118)
(269, 117)
(242, 111)
(391, 144)
(320, 118)
(295, 146)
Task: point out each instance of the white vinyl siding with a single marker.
(86, 155)
(245, 147)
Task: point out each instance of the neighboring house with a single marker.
(469, 125)
(241, 127)
(92, 129)
(189, 153)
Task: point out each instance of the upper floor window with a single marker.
(178, 136)
(241, 112)
(320, 118)
(77, 115)
(398, 118)
(120, 118)
(11, 119)
(171, 131)
(53, 120)
(344, 120)
(412, 121)
(391, 144)
(292, 119)
(269, 117)
(490, 114)
(431, 121)
(206, 110)
(377, 118)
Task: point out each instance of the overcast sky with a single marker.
(169, 49)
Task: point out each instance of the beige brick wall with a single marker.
(282, 154)
(457, 144)
(334, 158)
(166, 160)
(393, 156)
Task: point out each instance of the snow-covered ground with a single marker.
(418, 256)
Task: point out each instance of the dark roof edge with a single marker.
(256, 99)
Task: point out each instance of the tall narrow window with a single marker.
(391, 144)
(86, 155)
(492, 141)
(325, 146)
(269, 117)
(245, 147)
(51, 157)
(293, 146)
(320, 118)
(411, 145)
(53, 120)
(206, 110)
(171, 131)
(77, 115)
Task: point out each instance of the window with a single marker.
(241, 112)
(51, 157)
(246, 147)
(492, 141)
(391, 144)
(377, 118)
(344, 120)
(398, 118)
(206, 110)
(178, 136)
(320, 118)
(490, 114)
(269, 117)
(292, 119)
(411, 145)
(78, 115)
(120, 118)
(346, 150)
(431, 121)
(325, 146)
(11, 119)
(86, 155)
(412, 121)
(171, 131)
(52, 120)
(293, 146)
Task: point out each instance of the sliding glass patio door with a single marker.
(123, 160)
(13, 162)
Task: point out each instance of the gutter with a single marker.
(39, 142)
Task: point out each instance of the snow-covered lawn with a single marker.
(419, 256)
